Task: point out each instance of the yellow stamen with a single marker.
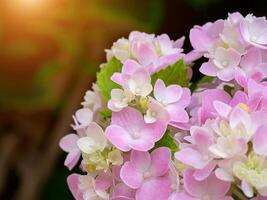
(244, 106)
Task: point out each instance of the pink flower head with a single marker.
(174, 98)
(129, 67)
(252, 67)
(210, 188)
(82, 118)
(145, 172)
(260, 141)
(69, 144)
(223, 64)
(123, 192)
(129, 131)
(134, 78)
(254, 31)
(84, 187)
(255, 99)
(203, 38)
(156, 112)
(207, 110)
(257, 94)
(197, 154)
(169, 51)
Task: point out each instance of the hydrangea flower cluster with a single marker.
(146, 133)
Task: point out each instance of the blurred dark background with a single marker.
(50, 51)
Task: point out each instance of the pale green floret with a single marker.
(253, 171)
(102, 160)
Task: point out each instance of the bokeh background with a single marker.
(50, 51)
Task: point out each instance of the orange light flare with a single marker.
(27, 7)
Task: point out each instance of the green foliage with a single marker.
(104, 82)
(204, 79)
(228, 89)
(168, 141)
(106, 113)
(173, 74)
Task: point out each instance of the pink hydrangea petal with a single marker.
(212, 185)
(154, 131)
(140, 160)
(177, 113)
(154, 189)
(227, 74)
(260, 141)
(84, 115)
(103, 181)
(181, 196)
(191, 157)
(167, 60)
(117, 78)
(142, 144)
(238, 115)
(200, 40)
(239, 97)
(241, 77)
(146, 54)
(118, 137)
(130, 66)
(72, 159)
(191, 57)
(222, 108)
(251, 59)
(185, 98)
(160, 161)
(131, 176)
(179, 42)
(129, 118)
(216, 28)
(208, 97)
(217, 187)
(68, 142)
(141, 77)
(193, 187)
(201, 174)
(254, 88)
(209, 69)
(201, 138)
(173, 93)
(73, 183)
(164, 42)
(122, 192)
(159, 90)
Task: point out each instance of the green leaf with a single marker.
(168, 141)
(104, 83)
(204, 79)
(106, 113)
(228, 89)
(173, 74)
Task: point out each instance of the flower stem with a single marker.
(235, 191)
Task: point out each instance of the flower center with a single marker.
(124, 99)
(135, 135)
(154, 114)
(173, 187)
(253, 38)
(147, 174)
(205, 157)
(244, 106)
(225, 63)
(137, 90)
(164, 102)
(206, 197)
